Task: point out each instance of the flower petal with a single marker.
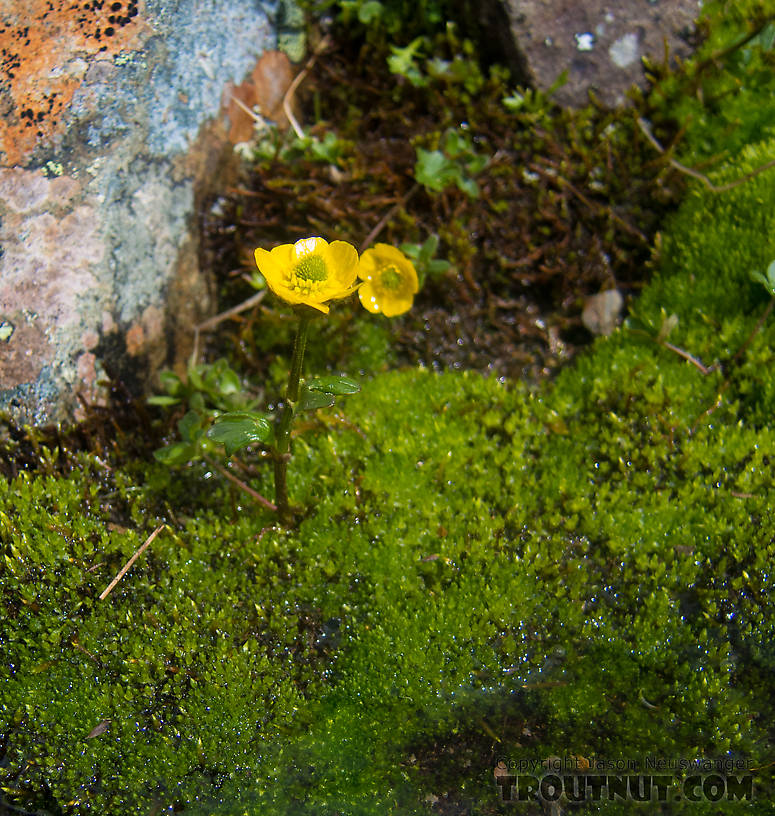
(308, 246)
(321, 307)
(392, 306)
(368, 298)
(389, 254)
(274, 267)
(342, 261)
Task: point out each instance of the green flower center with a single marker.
(311, 269)
(390, 278)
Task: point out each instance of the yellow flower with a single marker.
(390, 281)
(311, 271)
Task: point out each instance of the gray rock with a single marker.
(113, 131)
(599, 43)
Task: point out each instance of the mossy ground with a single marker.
(484, 571)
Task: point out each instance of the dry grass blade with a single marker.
(140, 550)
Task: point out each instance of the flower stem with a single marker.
(282, 449)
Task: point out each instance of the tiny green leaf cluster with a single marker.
(424, 257)
(455, 163)
(207, 390)
(767, 280)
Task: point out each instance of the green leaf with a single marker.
(310, 400)
(438, 266)
(401, 61)
(160, 399)
(453, 144)
(411, 250)
(176, 454)
(668, 324)
(6, 330)
(229, 382)
(189, 425)
(514, 102)
(170, 382)
(433, 169)
(197, 402)
(767, 281)
(476, 164)
(439, 68)
(340, 386)
(428, 249)
(235, 431)
(468, 186)
(369, 11)
(195, 378)
(256, 279)
(561, 80)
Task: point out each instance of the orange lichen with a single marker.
(45, 50)
(146, 331)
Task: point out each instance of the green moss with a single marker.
(723, 96)
(726, 235)
(159, 661)
(483, 571)
(712, 245)
(476, 558)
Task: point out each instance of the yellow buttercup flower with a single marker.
(390, 281)
(311, 271)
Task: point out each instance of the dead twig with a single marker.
(402, 202)
(297, 80)
(214, 321)
(553, 175)
(247, 110)
(689, 357)
(689, 171)
(131, 561)
(254, 494)
(74, 642)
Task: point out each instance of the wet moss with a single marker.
(484, 571)
(572, 572)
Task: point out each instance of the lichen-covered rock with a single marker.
(600, 44)
(113, 130)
